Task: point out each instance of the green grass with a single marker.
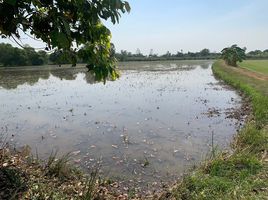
(24, 177)
(260, 66)
(11, 183)
(257, 90)
(239, 174)
(242, 174)
(244, 83)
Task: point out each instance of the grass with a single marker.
(90, 186)
(239, 174)
(59, 167)
(260, 66)
(242, 173)
(257, 90)
(11, 183)
(24, 177)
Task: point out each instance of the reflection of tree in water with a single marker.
(11, 79)
(65, 74)
(70, 74)
(205, 65)
(89, 78)
(187, 67)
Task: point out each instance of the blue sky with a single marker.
(190, 25)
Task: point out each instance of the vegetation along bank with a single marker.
(243, 172)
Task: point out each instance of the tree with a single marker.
(33, 58)
(255, 53)
(60, 57)
(138, 53)
(123, 55)
(205, 52)
(232, 55)
(167, 55)
(43, 56)
(191, 54)
(10, 56)
(179, 54)
(151, 54)
(13, 56)
(65, 26)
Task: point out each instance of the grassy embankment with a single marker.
(242, 173)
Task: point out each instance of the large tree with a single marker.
(67, 26)
(232, 55)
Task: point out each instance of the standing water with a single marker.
(151, 125)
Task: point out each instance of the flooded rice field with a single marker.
(151, 125)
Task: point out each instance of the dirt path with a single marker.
(252, 74)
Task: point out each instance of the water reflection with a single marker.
(12, 78)
(155, 112)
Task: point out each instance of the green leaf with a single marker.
(60, 39)
(11, 2)
(127, 6)
(61, 24)
(66, 27)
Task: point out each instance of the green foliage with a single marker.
(138, 56)
(258, 54)
(201, 186)
(11, 183)
(98, 54)
(252, 139)
(63, 57)
(232, 55)
(257, 90)
(11, 56)
(90, 186)
(205, 52)
(235, 168)
(58, 167)
(241, 174)
(65, 26)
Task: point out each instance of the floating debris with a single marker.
(212, 112)
(75, 153)
(77, 161)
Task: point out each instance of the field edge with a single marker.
(242, 173)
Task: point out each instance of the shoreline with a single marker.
(243, 173)
(188, 188)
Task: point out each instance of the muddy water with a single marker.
(151, 125)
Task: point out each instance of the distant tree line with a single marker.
(13, 56)
(257, 54)
(28, 56)
(138, 56)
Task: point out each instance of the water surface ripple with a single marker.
(152, 124)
